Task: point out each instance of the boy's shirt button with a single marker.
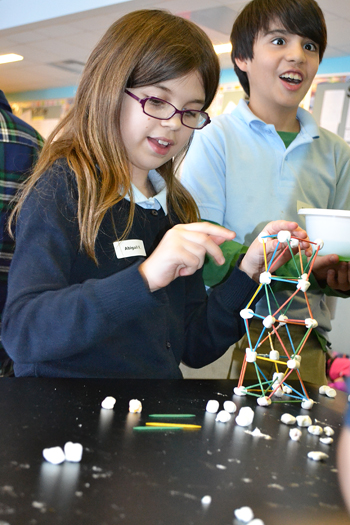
(154, 212)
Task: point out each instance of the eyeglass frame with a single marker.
(181, 112)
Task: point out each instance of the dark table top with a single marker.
(129, 477)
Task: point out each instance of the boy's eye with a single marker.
(310, 46)
(278, 41)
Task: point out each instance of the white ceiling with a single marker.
(73, 37)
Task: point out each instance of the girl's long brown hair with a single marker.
(142, 48)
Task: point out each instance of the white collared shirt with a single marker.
(153, 203)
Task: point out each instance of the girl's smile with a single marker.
(150, 142)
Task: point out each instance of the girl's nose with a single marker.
(173, 123)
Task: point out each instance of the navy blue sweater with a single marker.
(67, 317)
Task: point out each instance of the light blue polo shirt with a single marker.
(242, 176)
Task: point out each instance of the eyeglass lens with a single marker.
(160, 109)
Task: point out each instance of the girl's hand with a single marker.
(253, 262)
(182, 251)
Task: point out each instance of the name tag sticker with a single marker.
(129, 248)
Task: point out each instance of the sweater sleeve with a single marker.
(46, 315)
(213, 325)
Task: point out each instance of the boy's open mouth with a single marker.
(291, 78)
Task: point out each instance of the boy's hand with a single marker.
(253, 262)
(182, 251)
(329, 270)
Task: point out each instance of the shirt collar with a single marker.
(307, 121)
(161, 193)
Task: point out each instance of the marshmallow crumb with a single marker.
(244, 514)
(206, 500)
(316, 455)
(54, 455)
(135, 406)
(108, 403)
(212, 406)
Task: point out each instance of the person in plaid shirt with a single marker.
(20, 145)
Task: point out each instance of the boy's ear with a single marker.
(241, 63)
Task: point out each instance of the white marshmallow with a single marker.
(246, 313)
(284, 236)
(54, 455)
(256, 521)
(287, 389)
(297, 357)
(311, 323)
(245, 417)
(294, 243)
(316, 455)
(315, 430)
(326, 440)
(282, 318)
(328, 431)
(279, 392)
(206, 500)
(319, 242)
(303, 285)
(274, 355)
(212, 406)
(331, 392)
(135, 406)
(240, 390)
(223, 416)
(277, 377)
(307, 404)
(304, 421)
(261, 239)
(295, 434)
(292, 364)
(269, 321)
(73, 451)
(230, 407)
(244, 514)
(288, 419)
(263, 401)
(265, 278)
(322, 389)
(250, 356)
(108, 403)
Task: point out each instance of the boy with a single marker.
(268, 158)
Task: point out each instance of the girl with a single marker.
(104, 280)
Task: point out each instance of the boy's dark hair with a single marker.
(300, 17)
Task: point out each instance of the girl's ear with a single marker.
(241, 63)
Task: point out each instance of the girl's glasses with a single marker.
(162, 110)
